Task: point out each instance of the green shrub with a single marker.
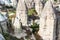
(55, 0)
(12, 11)
(31, 11)
(35, 27)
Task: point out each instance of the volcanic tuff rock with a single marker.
(38, 6)
(47, 22)
(21, 12)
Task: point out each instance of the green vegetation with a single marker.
(46, 0)
(12, 12)
(35, 27)
(31, 11)
(55, 0)
(9, 37)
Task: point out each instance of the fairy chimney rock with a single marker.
(21, 12)
(47, 22)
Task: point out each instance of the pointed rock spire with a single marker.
(21, 12)
(21, 17)
(47, 22)
(38, 6)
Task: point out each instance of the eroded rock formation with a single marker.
(29, 3)
(38, 6)
(21, 12)
(48, 22)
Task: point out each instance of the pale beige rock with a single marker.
(58, 1)
(29, 3)
(21, 17)
(38, 6)
(21, 12)
(18, 31)
(47, 22)
(52, 0)
(17, 27)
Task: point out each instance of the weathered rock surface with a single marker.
(58, 1)
(48, 22)
(1, 37)
(21, 12)
(21, 18)
(3, 23)
(29, 3)
(17, 27)
(38, 6)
